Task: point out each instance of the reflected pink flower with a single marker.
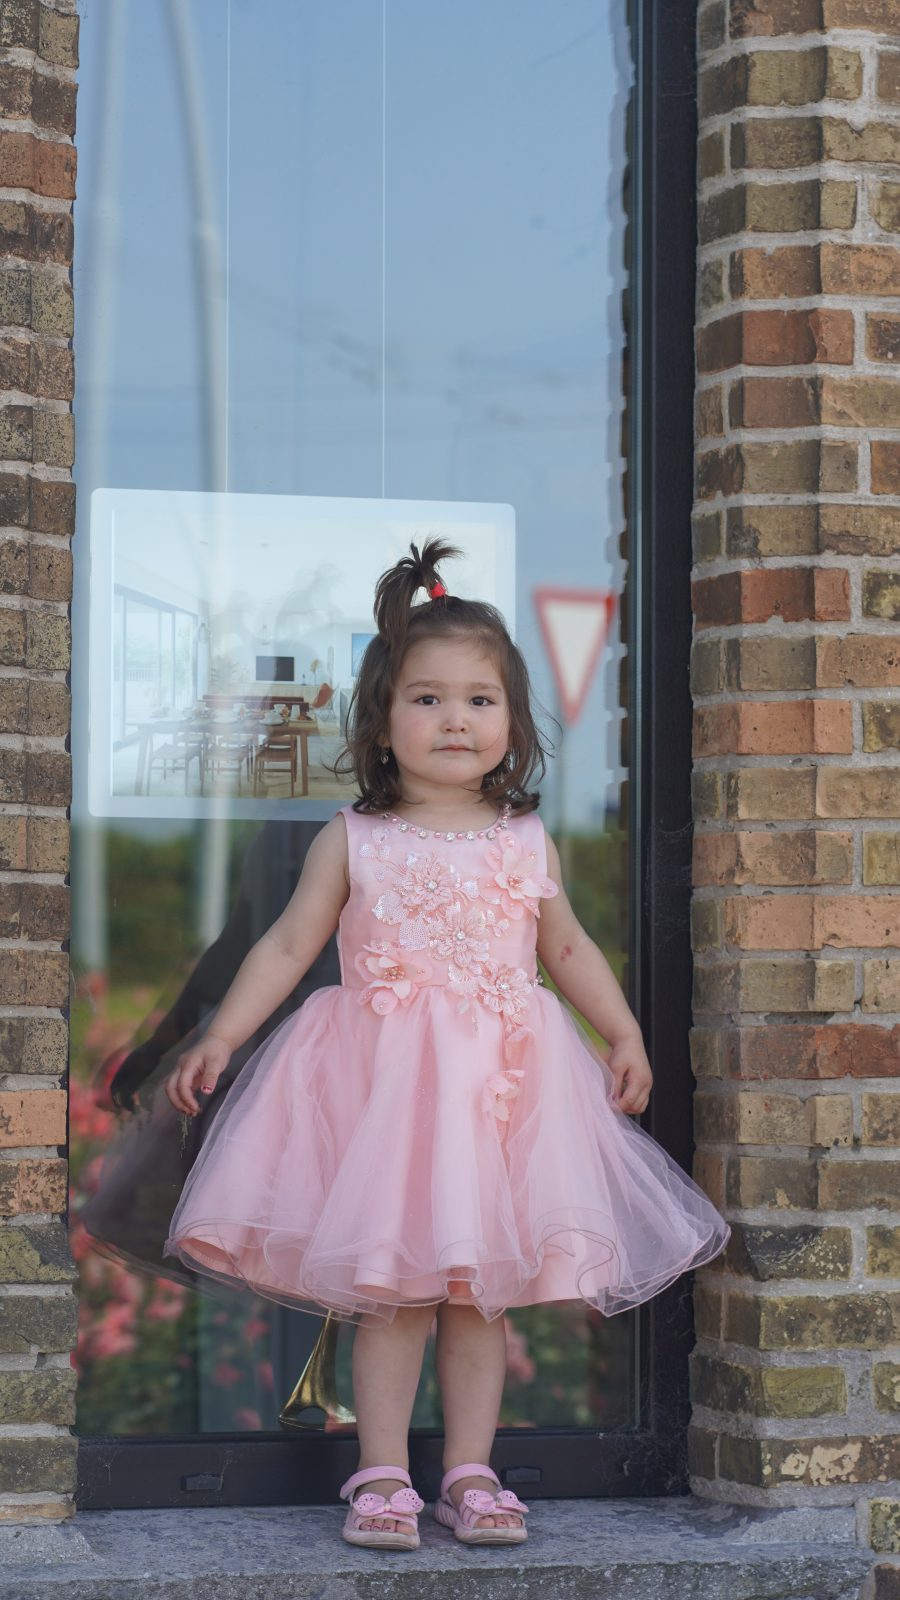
(226, 1374)
(519, 1364)
(255, 1328)
(265, 1375)
(246, 1417)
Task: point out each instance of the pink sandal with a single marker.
(478, 1503)
(403, 1504)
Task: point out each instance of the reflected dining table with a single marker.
(205, 730)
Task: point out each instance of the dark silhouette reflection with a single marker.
(144, 1169)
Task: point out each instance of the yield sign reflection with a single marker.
(574, 624)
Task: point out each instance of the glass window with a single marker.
(351, 251)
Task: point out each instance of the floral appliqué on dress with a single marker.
(429, 908)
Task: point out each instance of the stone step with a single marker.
(660, 1549)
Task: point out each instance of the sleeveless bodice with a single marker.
(457, 911)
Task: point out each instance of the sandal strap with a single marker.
(369, 1474)
(469, 1469)
(479, 1503)
(403, 1506)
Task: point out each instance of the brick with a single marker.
(774, 272)
(32, 1117)
(37, 1464)
(54, 437)
(757, 467)
(48, 641)
(707, 795)
(881, 986)
(855, 1185)
(858, 269)
(881, 725)
(33, 1044)
(711, 26)
(771, 662)
(33, 1321)
(53, 103)
(47, 1395)
(776, 142)
(776, 338)
(794, 594)
(888, 79)
(810, 1322)
(769, 18)
(881, 857)
(52, 371)
(878, 16)
(862, 401)
(882, 1251)
(771, 530)
(48, 778)
(711, 155)
(804, 1051)
(783, 1183)
(803, 1251)
(884, 204)
(885, 458)
(52, 507)
(886, 1385)
(856, 792)
(33, 1185)
(802, 857)
(765, 207)
(858, 660)
(881, 594)
(884, 1527)
(802, 1391)
(771, 794)
(773, 403)
(58, 35)
(16, 432)
(36, 1253)
(880, 1119)
(780, 727)
(708, 414)
(710, 285)
(818, 1462)
(33, 978)
(709, 1174)
(52, 309)
(838, 466)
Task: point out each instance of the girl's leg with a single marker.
(386, 1366)
(470, 1356)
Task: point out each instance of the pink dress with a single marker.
(437, 1127)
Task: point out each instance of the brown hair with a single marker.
(401, 625)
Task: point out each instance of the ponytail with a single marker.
(397, 588)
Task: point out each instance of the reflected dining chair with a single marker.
(178, 752)
(278, 752)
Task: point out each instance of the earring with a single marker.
(385, 755)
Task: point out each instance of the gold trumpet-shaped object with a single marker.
(315, 1399)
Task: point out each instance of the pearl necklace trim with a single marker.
(434, 833)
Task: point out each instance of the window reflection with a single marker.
(288, 285)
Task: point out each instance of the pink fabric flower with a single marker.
(500, 1090)
(516, 884)
(503, 989)
(393, 978)
(458, 936)
(426, 888)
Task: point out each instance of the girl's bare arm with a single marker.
(272, 967)
(582, 973)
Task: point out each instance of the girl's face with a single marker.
(449, 721)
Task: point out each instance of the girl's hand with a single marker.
(628, 1063)
(200, 1067)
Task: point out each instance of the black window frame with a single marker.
(305, 1467)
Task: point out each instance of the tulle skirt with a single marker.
(363, 1162)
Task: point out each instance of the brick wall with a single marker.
(795, 672)
(38, 45)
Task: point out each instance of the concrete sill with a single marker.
(605, 1549)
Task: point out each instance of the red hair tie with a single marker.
(437, 589)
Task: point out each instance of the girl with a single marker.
(436, 1135)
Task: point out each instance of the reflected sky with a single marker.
(366, 249)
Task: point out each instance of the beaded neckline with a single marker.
(439, 833)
